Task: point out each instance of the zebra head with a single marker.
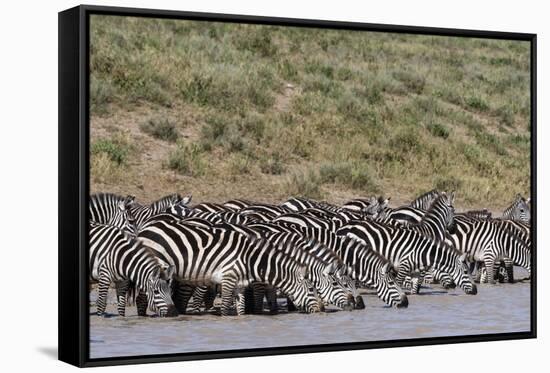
(331, 290)
(303, 294)
(158, 290)
(519, 210)
(520, 253)
(387, 289)
(460, 274)
(445, 206)
(125, 219)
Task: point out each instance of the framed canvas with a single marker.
(235, 186)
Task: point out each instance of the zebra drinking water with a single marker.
(114, 257)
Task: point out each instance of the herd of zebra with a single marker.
(173, 258)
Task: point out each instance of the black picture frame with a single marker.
(74, 183)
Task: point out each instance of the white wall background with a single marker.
(28, 181)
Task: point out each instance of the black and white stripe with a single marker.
(410, 252)
(114, 257)
(112, 209)
(226, 257)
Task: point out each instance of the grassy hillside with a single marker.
(225, 111)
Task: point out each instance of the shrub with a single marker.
(477, 103)
(448, 183)
(304, 184)
(438, 130)
(272, 164)
(187, 160)
(116, 148)
(103, 169)
(355, 175)
(102, 93)
(413, 81)
(160, 128)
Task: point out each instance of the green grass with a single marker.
(365, 112)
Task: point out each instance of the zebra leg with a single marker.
(121, 290)
(209, 297)
(359, 303)
(182, 294)
(417, 283)
(228, 289)
(240, 302)
(290, 305)
(408, 283)
(249, 300)
(259, 291)
(141, 303)
(404, 271)
(490, 269)
(198, 298)
(476, 268)
(508, 265)
(103, 290)
(271, 295)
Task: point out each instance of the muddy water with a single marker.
(436, 312)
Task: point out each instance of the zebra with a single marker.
(166, 204)
(115, 257)
(112, 209)
(410, 252)
(488, 241)
(364, 265)
(326, 270)
(438, 219)
(519, 210)
(226, 257)
(425, 200)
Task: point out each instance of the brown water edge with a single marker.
(496, 308)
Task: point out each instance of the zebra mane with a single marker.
(168, 200)
(419, 201)
(432, 207)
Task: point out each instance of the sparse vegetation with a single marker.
(267, 111)
(160, 128)
(187, 160)
(305, 184)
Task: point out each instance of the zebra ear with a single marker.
(329, 269)
(185, 200)
(452, 197)
(385, 269)
(528, 200)
(463, 257)
(122, 205)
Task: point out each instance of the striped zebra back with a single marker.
(165, 204)
(296, 220)
(105, 238)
